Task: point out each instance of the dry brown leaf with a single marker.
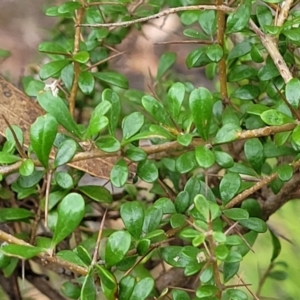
(20, 110)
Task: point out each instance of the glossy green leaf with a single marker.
(131, 124)
(97, 193)
(230, 269)
(240, 49)
(254, 224)
(108, 144)
(88, 290)
(31, 180)
(256, 54)
(214, 52)
(253, 207)
(240, 72)
(197, 58)
(147, 170)
(86, 82)
(227, 133)
(108, 281)
(204, 156)
(65, 152)
(143, 246)
(254, 152)
(165, 205)
(32, 86)
(21, 251)
(27, 167)
(229, 186)
(221, 252)
(42, 136)
(246, 92)
(182, 202)
(70, 213)
(184, 139)
(132, 214)
(113, 116)
(295, 136)
(165, 62)
(175, 99)
(56, 107)
(116, 247)
(135, 153)
(119, 173)
(7, 158)
(64, 180)
(202, 206)
(264, 16)
(84, 255)
(180, 295)
(238, 19)
(113, 78)
(285, 172)
(70, 290)
(153, 216)
(235, 294)
(68, 7)
(52, 47)
(292, 92)
(223, 159)
(233, 256)
(71, 256)
(236, 214)
(201, 105)
(276, 246)
(52, 68)
(81, 57)
(142, 289)
(14, 214)
(186, 162)
(275, 118)
(126, 287)
(268, 71)
(208, 22)
(206, 291)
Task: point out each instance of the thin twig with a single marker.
(284, 12)
(162, 14)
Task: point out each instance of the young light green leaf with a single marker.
(27, 167)
(292, 92)
(86, 82)
(131, 124)
(70, 213)
(201, 105)
(116, 247)
(274, 117)
(14, 214)
(42, 136)
(56, 107)
(21, 251)
(119, 173)
(166, 61)
(81, 57)
(132, 214)
(7, 158)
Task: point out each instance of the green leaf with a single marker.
(116, 247)
(27, 167)
(276, 246)
(131, 124)
(253, 207)
(68, 7)
(186, 162)
(285, 172)
(71, 256)
(108, 144)
(184, 139)
(236, 214)
(295, 136)
(21, 251)
(223, 159)
(214, 52)
(240, 49)
(113, 78)
(202, 206)
(268, 71)
(182, 202)
(166, 61)
(201, 105)
(70, 290)
(153, 216)
(7, 158)
(56, 107)
(97, 123)
(132, 214)
(254, 224)
(204, 156)
(135, 153)
(256, 54)
(197, 58)
(274, 117)
(86, 82)
(292, 92)
(70, 213)
(206, 291)
(4, 53)
(165, 205)
(264, 16)
(109, 284)
(227, 133)
(126, 287)
(51, 47)
(254, 152)
(88, 290)
(97, 193)
(142, 289)
(246, 92)
(65, 152)
(31, 86)
(239, 19)
(119, 173)
(229, 186)
(229, 270)
(177, 220)
(52, 68)
(81, 57)
(180, 295)
(175, 99)
(221, 252)
(241, 72)
(31, 180)
(14, 214)
(115, 111)
(147, 170)
(208, 22)
(235, 294)
(42, 135)
(156, 110)
(64, 180)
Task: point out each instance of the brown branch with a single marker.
(284, 12)
(162, 14)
